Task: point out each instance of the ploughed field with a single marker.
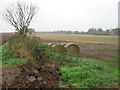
(91, 46)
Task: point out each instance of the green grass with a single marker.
(7, 60)
(4, 51)
(63, 85)
(10, 63)
(114, 61)
(92, 42)
(83, 73)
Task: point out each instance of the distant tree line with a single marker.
(100, 31)
(67, 32)
(91, 31)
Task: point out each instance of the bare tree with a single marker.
(20, 16)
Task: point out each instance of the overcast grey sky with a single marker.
(68, 14)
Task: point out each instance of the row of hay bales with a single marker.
(66, 48)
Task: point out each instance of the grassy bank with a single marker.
(21, 50)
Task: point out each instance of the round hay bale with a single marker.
(60, 49)
(50, 44)
(45, 43)
(72, 49)
(53, 45)
(63, 44)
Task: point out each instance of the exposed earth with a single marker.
(46, 76)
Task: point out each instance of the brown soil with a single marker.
(46, 76)
(99, 52)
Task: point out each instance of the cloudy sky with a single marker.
(68, 14)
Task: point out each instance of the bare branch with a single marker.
(20, 15)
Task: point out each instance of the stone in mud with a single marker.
(31, 78)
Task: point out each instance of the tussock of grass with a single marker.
(82, 73)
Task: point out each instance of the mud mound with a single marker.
(8, 76)
(28, 76)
